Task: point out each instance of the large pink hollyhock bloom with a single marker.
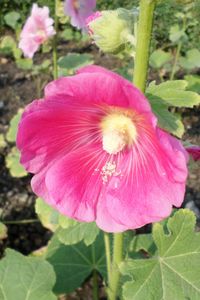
(37, 29)
(79, 11)
(97, 154)
(194, 151)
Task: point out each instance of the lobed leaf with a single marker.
(193, 83)
(169, 94)
(69, 231)
(11, 19)
(71, 62)
(167, 120)
(173, 93)
(12, 131)
(13, 164)
(74, 263)
(3, 231)
(191, 60)
(25, 278)
(173, 273)
(159, 57)
(81, 231)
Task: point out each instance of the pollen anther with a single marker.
(118, 131)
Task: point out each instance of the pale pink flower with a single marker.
(79, 11)
(97, 154)
(194, 151)
(37, 29)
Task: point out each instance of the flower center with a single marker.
(40, 36)
(118, 131)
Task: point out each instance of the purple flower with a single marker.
(79, 11)
(194, 151)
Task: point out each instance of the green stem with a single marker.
(55, 59)
(108, 254)
(143, 43)
(176, 60)
(20, 221)
(115, 274)
(95, 289)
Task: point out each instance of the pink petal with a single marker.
(151, 181)
(60, 139)
(37, 29)
(79, 185)
(59, 127)
(131, 94)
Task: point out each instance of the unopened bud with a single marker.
(111, 30)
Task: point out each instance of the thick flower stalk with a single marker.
(97, 154)
(79, 11)
(37, 29)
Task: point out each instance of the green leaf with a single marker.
(70, 231)
(2, 141)
(158, 58)
(13, 164)
(12, 131)
(191, 61)
(81, 231)
(73, 264)
(173, 273)
(193, 83)
(25, 278)
(66, 222)
(177, 34)
(51, 218)
(11, 19)
(173, 93)
(168, 94)
(3, 231)
(7, 45)
(73, 61)
(68, 34)
(47, 214)
(166, 119)
(24, 63)
(143, 242)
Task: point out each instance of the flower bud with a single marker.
(112, 30)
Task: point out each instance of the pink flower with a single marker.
(91, 18)
(37, 29)
(97, 154)
(79, 11)
(194, 151)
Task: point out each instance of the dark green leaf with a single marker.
(73, 61)
(74, 263)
